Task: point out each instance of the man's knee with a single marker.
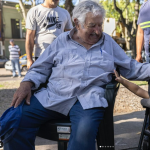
(86, 128)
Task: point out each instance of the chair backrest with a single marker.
(1, 144)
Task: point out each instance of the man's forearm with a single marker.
(29, 48)
(30, 35)
(139, 41)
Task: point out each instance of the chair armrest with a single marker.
(112, 85)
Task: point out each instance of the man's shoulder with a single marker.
(107, 37)
(62, 10)
(145, 6)
(144, 13)
(16, 46)
(63, 35)
(33, 9)
(62, 38)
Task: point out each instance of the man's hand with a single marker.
(118, 78)
(139, 58)
(29, 63)
(23, 92)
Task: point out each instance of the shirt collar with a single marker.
(71, 32)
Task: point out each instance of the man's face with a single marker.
(92, 30)
(53, 2)
(12, 43)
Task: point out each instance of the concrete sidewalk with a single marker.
(128, 128)
(4, 73)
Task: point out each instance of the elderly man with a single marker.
(77, 65)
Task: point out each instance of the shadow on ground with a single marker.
(128, 128)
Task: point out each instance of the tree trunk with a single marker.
(130, 33)
(122, 18)
(23, 10)
(24, 13)
(69, 6)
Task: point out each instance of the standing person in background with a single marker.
(143, 32)
(14, 57)
(44, 23)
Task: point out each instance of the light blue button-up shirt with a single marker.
(75, 73)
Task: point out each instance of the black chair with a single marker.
(144, 143)
(60, 130)
(1, 144)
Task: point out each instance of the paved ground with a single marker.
(127, 126)
(6, 75)
(127, 129)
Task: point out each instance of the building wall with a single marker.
(9, 13)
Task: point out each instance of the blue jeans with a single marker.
(15, 66)
(84, 123)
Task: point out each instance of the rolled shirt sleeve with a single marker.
(41, 69)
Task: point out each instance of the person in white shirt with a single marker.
(44, 23)
(14, 58)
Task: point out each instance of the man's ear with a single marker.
(76, 22)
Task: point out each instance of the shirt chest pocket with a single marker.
(64, 84)
(107, 62)
(61, 86)
(64, 87)
(104, 61)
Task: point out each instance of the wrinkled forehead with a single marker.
(93, 18)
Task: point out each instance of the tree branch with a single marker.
(122, 18)
(69, 6)
(23, 9)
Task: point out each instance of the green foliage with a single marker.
(62, 6)
(139, 83)
(1, 86)
(18, 7)
(109, 7)
(126, 6)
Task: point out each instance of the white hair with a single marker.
(86, 6)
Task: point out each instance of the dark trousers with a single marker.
(84, 128)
